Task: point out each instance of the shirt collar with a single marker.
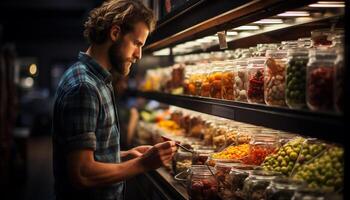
(96, 68)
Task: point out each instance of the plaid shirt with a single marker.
(85, 117)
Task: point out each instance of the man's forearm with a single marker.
(98, 174)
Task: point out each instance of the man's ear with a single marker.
(114, 33)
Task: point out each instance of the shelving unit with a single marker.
(205, 18)
(327, 126)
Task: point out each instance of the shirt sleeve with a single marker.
(80, 108)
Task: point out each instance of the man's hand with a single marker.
(139, 151)
(160, 154)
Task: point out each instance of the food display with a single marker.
(282, 188)
(320, 80)
(228, 79)
(339, 81)
(202, 185)
(256, 183)
(233, 152)
(260, 147)
(296, 78)
(284, 159)
(222, 174)
(274, 77)
(294, 153)
(215, 80)
(237, 176)
(182, 161)
(255, 77)
(201, 156)
(205, 86)
(241, 80)
(323, 37)
(324, 171)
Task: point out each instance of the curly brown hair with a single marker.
(124, 13)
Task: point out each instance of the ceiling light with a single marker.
(269, 21)
(231, 33)
(321, 5)
(33, 69)
(246, 28)
(294, 14)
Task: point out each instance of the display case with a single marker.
(295, 103)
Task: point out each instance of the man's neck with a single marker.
(100, 54)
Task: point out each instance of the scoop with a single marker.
(177, 143)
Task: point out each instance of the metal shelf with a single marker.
(208, 17)
(327, 126)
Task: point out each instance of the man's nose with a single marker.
(138, 53)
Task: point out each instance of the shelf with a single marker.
(208, 17)
(327, 126)
(276, 33)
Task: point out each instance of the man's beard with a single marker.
(116, 60)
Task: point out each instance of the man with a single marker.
(86, 153)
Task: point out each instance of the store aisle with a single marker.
(39, 185)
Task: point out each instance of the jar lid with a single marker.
(298, 52)
(279, 54)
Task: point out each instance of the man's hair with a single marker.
(124, 13)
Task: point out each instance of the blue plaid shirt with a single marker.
(85, 117)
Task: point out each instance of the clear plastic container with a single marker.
(228, 78)
(255, 80)
(241, 80)
(274, 77)
(282, 188)
(320, 72)
(182, 161)
(202, 185)
(296, 78)
(256, 183)
(308, 194)
(205, 86)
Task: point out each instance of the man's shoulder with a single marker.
(77, 74)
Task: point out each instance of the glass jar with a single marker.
(323, 37)
(202, 185)
(205, 86)
(262, 145)
(222, 174)
(296, 78)
(215, 80)
(241, 80)
(189, 87)
(201, 156)
(209, 131)
(304, 43)
(237, 176)
(244, 134)
(256, 183)
(274, 77)
(255, 74)
(228, 81)
(320, 80)
(308, 194)
(219, 138)
(182, 161)
(339, 75)
(282, 188)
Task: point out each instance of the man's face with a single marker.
(128, 49)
